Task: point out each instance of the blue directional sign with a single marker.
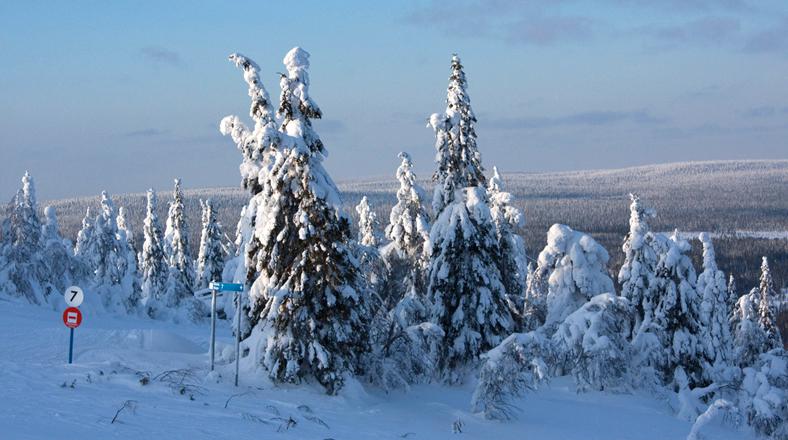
(226, 287)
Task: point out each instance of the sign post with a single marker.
(72, 318)
(216, 289)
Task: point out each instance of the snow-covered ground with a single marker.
(45, 398)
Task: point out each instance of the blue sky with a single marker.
(124, 96)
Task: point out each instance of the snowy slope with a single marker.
(44, 398)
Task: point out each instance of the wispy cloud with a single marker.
(706, 30)
(162, 56)
(590, 118)
(766, 111)
(145, 133)
(772, 39)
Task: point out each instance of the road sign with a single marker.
(227, 287)
(72, 317)
(74, 296)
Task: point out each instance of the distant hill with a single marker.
(720, 196)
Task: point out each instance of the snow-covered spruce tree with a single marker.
(152, 262)
(577, 271)
(406, 255)
(178, 293)
(766, 313)
(108, 258)
(210, 260)
(749, 338)
(535, 301)
(677, 314)
(61, 269)
(592, 344)
(764, 392)
(458, 158)
(467, 297)
(309, 314)
(640, 261)
(715, 336)
(508, 218)
(518, 365)
(370, 262)
(733, 295)
(128, 262)
(84, 235)
(20, 254)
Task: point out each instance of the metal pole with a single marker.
(213, 326)
(237, 335)
(71, 346)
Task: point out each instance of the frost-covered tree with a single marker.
(518, 365)
(84, 235)
(733, 294)
(61, 269)
(309, 313)
(468, 299)
(748, 336)
(535, 301)
(715, 336)
(210, 260)
(458, 158)
(180, 280)
(576, 266)
(20, 251)
(152, 262)
(127, 262)
(670, 339)
(591, 343)
(766, 313)
(372, 267)
(636, 276)
(407, 253)
(508, 218)
(123, 225)
(764, 392)
(367, 224)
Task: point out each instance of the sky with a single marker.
(124, 96)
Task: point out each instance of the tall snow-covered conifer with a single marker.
(308, 310)
(637, 279)
(176, 247)
(408, 231)
(467, 296)
(766, 314)
(508, 218)
(20, 253)
(458, 158)
(152, 261)
(210, 261)
(715, 336)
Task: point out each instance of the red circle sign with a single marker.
(72, 317)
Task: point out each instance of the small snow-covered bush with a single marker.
(591, 343)
(721, 412)
(515, 366)
(763, 394)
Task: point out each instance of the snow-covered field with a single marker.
(45, 398)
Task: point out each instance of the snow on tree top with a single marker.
(296, 59)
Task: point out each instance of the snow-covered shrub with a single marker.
(178, 293)
(720, 413)
(371, 265)
(404, 346)
(468, 300)
(763, 397)
(508, 218)
(535, 301)
(766, 309)
(518, 365)
(458, 158)
(577, 271)
(592, 344)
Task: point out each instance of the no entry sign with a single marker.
(72, 317)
